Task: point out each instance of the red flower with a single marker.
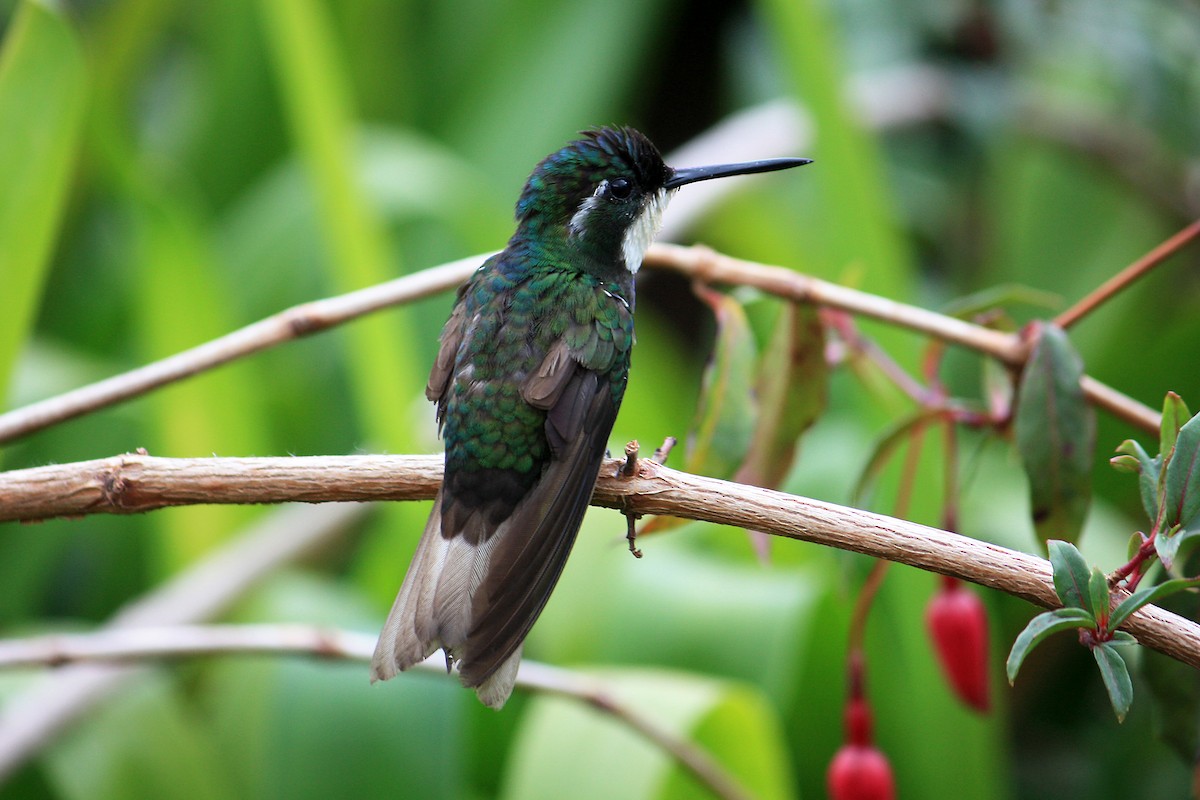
(859, 771)
(958, 624)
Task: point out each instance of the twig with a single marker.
(862, 608)
(708, 265)
(631, 458)
(285, 326)
(151, 482)
(31, 718)
(664, 450)
(1127, 276)
(568, 684)
(697, 262)
(125, 645)
(134, 483)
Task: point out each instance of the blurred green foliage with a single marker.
(174, 170)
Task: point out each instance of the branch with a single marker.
(1125, 277)
(292, 323)
(703, 264)
(30, 718)
(134, 483)
(186, 641)
(699, 263)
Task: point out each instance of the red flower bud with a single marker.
(958, 625)
(858, 770)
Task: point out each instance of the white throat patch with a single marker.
(643, 229)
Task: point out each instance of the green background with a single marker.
(170, 171)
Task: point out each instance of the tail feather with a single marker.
(410, 634)
(495, 691)
(434, 609)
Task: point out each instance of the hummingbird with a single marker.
(529, 374)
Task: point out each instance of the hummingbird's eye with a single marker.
(620, 188)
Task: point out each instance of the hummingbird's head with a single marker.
(605, 193)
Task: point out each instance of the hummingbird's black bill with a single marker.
(679, 177)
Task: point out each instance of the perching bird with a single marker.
(530, 373)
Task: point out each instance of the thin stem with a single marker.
(706, 265)
(696, 262)
(862, 606)
(287, 325)
(1127, 276)
(125, 645)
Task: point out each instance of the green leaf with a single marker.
(970, 306)
(1182, 476)
(1115, 674)
(310, 75)
(1098, 594)
(1166, 546)
(1147, 469)
(1071, 574)
(1056, 435)
(1148, 595)
(724, 424)
(42, 94)
(725, 414)
(1041, 626)
(1174, 415)
(792, 385)
(1123, 638)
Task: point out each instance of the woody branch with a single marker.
(135, 483)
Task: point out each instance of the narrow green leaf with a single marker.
(1098, 594)
(1174, 415)
(1056, 435)
(1151, 594)
(311, 78)
(1182, 476)
(1148, 469)
(1002, 296)
(381, 352)
(792, 384)
(998, 389)
(1115, 674)
(725, 414)
(1123, 638)
(42, 91)
(1071, 573)
(1041, 626)
(724, 424)
(1125, 464)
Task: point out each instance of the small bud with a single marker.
(958, 625)
(858, 770)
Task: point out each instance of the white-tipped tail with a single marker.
(434, 609)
